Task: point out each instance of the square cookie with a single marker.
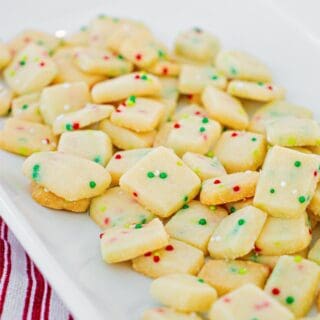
(195, 223)
(287, 182)
(161, 182)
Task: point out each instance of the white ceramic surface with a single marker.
(285, 34)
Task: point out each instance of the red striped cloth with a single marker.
(24, 292)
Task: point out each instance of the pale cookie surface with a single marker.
(241, 65)
(234, 206)
(257, 91)
(229, 188)
(224, 108)
(6, 95)
(138, 84)
(293, 132)
(161, 182)
(57, 171)
(195, 223)
(25, 137)
(284, 236)
(193, 79)
(294, 282)
(204, 167)
(251, 149)
(116, 208)
(183, 292)
(226, 276)
(79, 119)
(127, 139)
(176, 257)
(93, 145)
(185, 110)
(236, 234)
(48, 199)
(248, 302)
(138, 114)
(163, 313)
(122, 244)
(193, 134)
(287, 182)
(63, 98)
(30, 70)
(122, 161)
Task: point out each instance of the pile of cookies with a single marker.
(215, 203)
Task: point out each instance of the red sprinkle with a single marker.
(176, 126)
(226, 299)
(118, 156)
(76, 126)
(106, 58)
(42, 64)
(236, 188)
(148, 254)
(217, 181)
(137, 76)
(101, 235)
(118, 110)
(190, 96)
(197, 113)
(106, 220)
(315, 173)
(135, 194)
(169, 247)
(138, 56)
(234, 134)
(165, 70)
(310, 231)
(275, 291)
(257, 249)
(156, 259)
(26, 39)
(269, 87)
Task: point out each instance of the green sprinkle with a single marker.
(143, 221)
(241, 222)
(202, 129)
(200, 280)
(24, 107)
(132, 99)
(120, 56)
(260, 83)
(185, 198)
(297, 164)
(205, 120)
(210, 154)
(51, 52)
(163, 175)
(161, 54)
(214, 77)
(272, 190)
(144, 77)
(69, 126)
(290, 300)
(103, 208)
(92, 184)
(254, 139)
(233, 71)
(138, 226)
(22, 62)
(212, 208)
(150, 174)
(202, 221)
(185, 206)
(242, 271)
(97, 159)
(302, 199)
(36, 167)
(232, 209)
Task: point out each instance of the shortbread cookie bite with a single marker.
(251, 149)
(126, 243)
(56, 172)
(5, 56)
(276, 110)
(163, 313)
(122, 161)
(193, 79)
(101, 62)
(90, 114)
(133, 84)
(242, 65)
(6, 95)
(257, 91)
(25, 137)
(116, 208)
(93, 145)
(31, 70)
(293, 132)
(287, 182)
(176, 257)
(127, 139)
(229, 188)
(138, 114)
(195, 134)
(165, 66)
(195, 223)
(197, 45)
(205, 167)
(26, 107)
(224, 108)
(294, 282)
(186, 110)
(183, 292)
(48, 199)
(236, 234)
(226, 276)
(161, 182)
(248, 302)
(284, 236)
(63, 98)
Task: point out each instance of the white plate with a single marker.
(66, 246)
